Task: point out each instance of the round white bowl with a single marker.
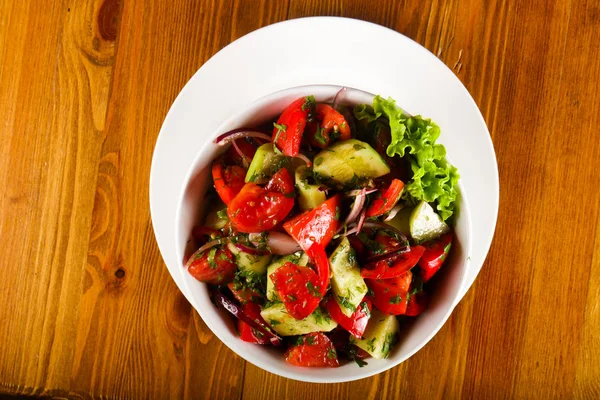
(447, 286)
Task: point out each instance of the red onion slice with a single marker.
(235, 134)
(238, 312)
(241, 154)
(305, 159)
(381, 225)
(339, 96)
(279, 243)
(361, 221)
(250, 250)
(356, 192)
(391, 254)
(357, 206)
(393, 212)
(212, 244)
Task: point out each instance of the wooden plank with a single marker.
(57, 67)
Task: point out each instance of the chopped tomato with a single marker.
(317, 253)
(317, 225)
(333, 126)
(247, 333)
(435, 254)
(245, 294)
(287, 133)
(417, 303)
(216, 265)
(228, 180)
(355, 324)
(394, 266)
(232, 157)
(390, 295)
(256, 209)
(313, 350)
(298, 288)
(388, 199)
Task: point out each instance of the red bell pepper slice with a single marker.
(435, 254)
(287, 133)
(247, 333)
(228, 180)
(357, 322)
(387, 200)
(317, 225)
(394, 266)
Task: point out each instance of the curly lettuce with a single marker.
(434, 179)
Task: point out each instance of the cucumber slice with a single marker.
(286, 325)
(380, 336)
(216, 218)
(250, 263)
(299, 258)
(425, 224)
(349, 162)
(401, 221)
(266, 162)
(309, 196)
(348, 286)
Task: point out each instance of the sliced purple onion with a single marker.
(212, 244)
(250, 250)
(381, 225)
(279, 243)
(305, 159)
(356, 192)
(387, 256)
(361, 221)
(339, 96)
(394, 211)
(235, 134)
(240, 153)
(238, 312)
(357, 206)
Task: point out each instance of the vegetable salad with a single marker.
(322, 234)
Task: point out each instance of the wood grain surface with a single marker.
(88, 308)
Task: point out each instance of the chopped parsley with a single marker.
(274, 322)
(371, 344)
(345, 302)
(211, 258)
(388, 343)
(331, 354)
(395, 299)
(309, 340)
(318, 160)
(280, 127)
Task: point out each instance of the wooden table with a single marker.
(88, 308)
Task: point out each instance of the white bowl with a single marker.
(448, 286)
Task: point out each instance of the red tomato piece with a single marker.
(317, 225)
(388, 199)
(247, 333)
(417, 303)
(298, 288)
(390, 295)
(245, 294)
(216, 265)
(314, 350)
(435, 254)
(256, 209)
(228, 180)
(394, 266)
(317, 253)
(355, 324)
(287, 134)
(333, 125)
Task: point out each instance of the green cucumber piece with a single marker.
(425, 224)
(401, 221)
(250, 263)
(298, 258)
(380, 336)
(286, 325)
(309, 196)
(349, 162)
(266, 162)
(349, 287)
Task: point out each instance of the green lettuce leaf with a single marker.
(434, 179)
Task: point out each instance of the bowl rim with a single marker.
(258, 103)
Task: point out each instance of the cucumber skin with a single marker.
(286, 325)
